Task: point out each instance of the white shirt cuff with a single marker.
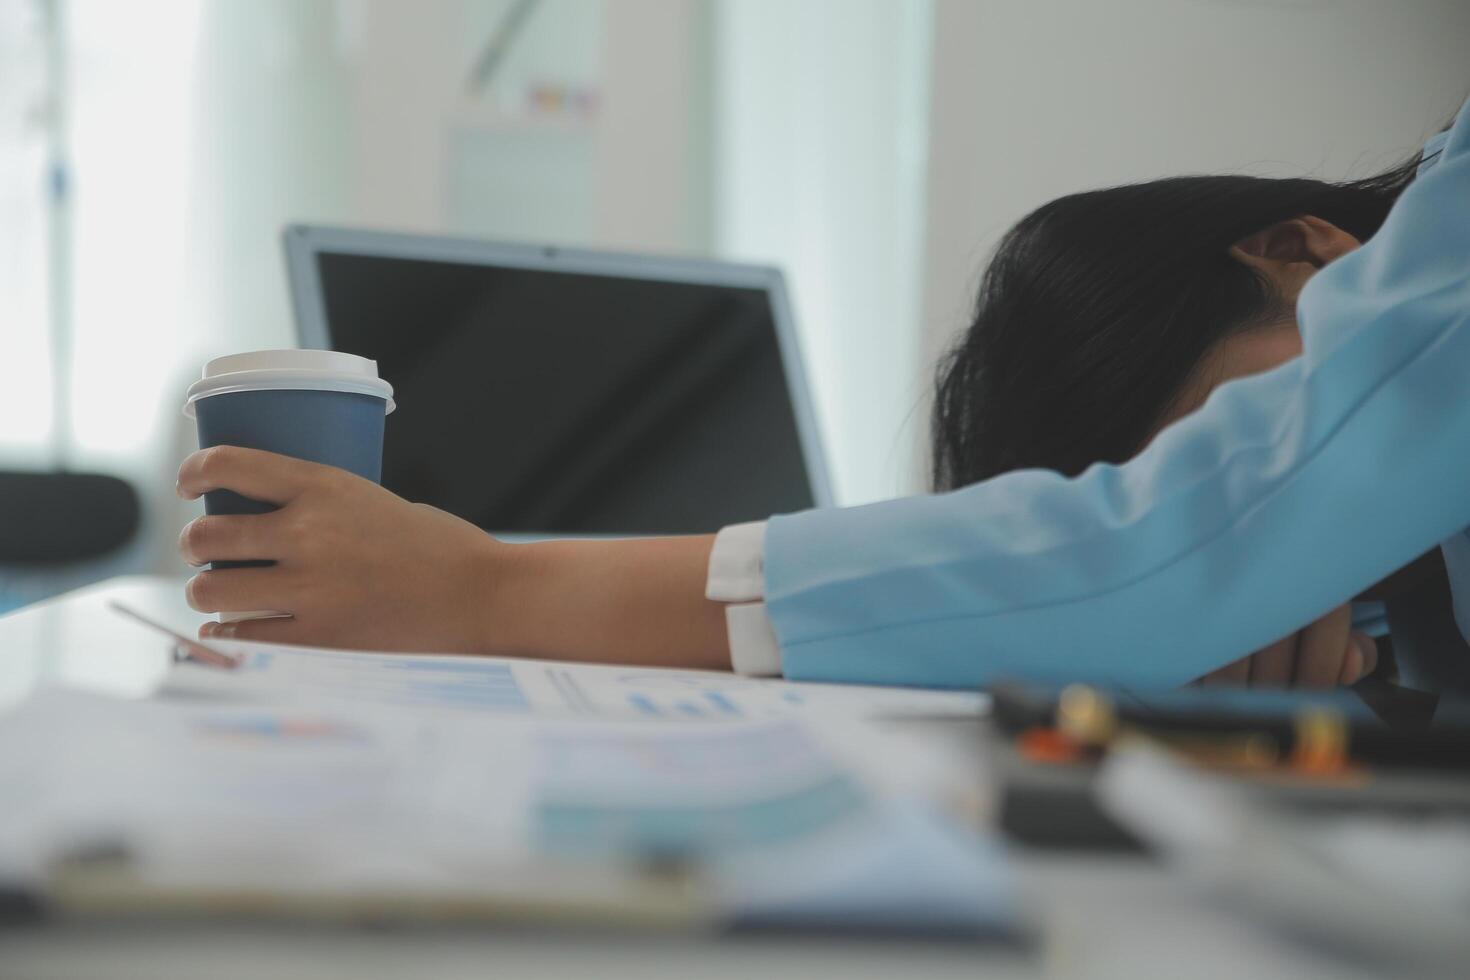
(737, 571)
(737, 576)
(754, 649)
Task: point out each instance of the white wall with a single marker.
(1038, 98)
(819, 116)
(431, 156)
(357, 112)
(652, 157)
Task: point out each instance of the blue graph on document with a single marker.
(704, 704)
(467, 684)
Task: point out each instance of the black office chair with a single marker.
(51, 518)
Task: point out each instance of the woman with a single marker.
(1231, 528)
(1086, 343)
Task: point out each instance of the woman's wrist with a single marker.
(627, 601)
(503, 592)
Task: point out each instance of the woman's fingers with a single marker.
(268, 477)
(1324, 650)
(279, 629)
(241, 590)
(1324, 654)
(1362, 662)
(234, 537)
(1274, 665)
(1237, 674)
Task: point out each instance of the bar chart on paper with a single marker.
(655, 697)
(666, 694)
(472, 683)
(710, 703)
(688, 695)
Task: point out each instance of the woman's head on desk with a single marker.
(1105, 316)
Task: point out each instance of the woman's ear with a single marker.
(1306, 239)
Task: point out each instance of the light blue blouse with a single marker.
(1287, 493)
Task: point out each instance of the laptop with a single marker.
(545, 391)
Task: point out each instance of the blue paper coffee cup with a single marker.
(324, 406)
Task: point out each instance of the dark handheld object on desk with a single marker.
(1300, 725)
(1054, 738)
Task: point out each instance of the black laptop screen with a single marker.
(556, 402)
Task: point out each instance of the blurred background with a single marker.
(151, 151)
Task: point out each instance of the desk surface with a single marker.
(1092, 916)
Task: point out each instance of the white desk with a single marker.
(1093, 916)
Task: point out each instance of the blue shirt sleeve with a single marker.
(1287, 493)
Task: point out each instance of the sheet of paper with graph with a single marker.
(344, 808)
(320, 782)
(506, 686)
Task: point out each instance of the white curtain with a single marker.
(25, 352)
(194, 130)
(820, 131)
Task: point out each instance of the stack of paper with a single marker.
(316, 782)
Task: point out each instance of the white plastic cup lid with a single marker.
(290, 370)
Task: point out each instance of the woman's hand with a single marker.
(1325, 654)
(355, 565)
(359, 567)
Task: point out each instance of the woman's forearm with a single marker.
(632, 601)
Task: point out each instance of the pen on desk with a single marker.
(194, 649)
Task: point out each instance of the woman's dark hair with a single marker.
(1097, 307)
